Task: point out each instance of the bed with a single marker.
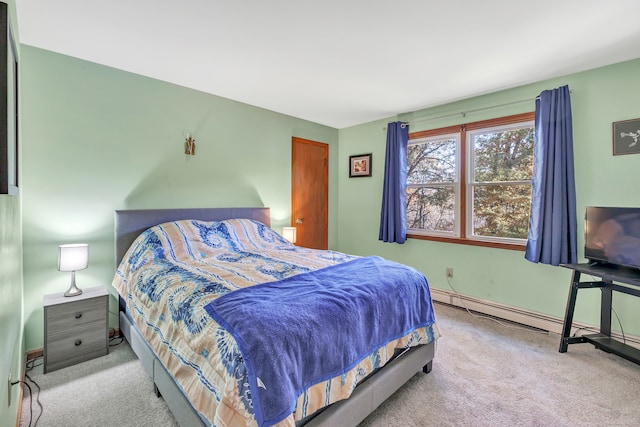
(190, 380)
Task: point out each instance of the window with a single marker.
(433, 184)
(472, 183)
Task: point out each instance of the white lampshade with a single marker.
(289, 233)
(73, 257)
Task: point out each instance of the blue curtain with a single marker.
(393, 221)
(553, 221)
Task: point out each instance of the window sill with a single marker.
(460, 241)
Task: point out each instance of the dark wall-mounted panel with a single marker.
(8, 105)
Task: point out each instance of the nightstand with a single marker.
(75, 328)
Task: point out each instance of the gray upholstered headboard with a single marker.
(130, 223)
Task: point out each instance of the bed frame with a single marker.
(365, 399)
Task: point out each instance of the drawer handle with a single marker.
(78, 315)
(78, 342)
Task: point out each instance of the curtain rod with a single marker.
(464, 113)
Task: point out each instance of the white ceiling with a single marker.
(339, 63)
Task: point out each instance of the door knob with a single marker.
(298, 220)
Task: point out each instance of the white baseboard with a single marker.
(518, 315)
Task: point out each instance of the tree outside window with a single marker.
(432, 184)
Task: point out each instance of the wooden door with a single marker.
(310, 192)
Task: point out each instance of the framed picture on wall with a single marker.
(360, 165)
(626, 137)
(8, 105)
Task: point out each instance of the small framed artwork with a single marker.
(360, 165)
(626, 137)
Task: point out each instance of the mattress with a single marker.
(173, 271)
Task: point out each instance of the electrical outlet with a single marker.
(449, 272)
(9, 393)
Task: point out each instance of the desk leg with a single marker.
(568, 316)
(605, 308)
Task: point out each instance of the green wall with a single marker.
(98, 139)
(11, 331)
(599, 97)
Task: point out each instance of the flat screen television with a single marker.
(612, 236)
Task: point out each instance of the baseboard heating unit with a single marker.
(533, 319)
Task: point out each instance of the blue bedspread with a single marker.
(317, 325)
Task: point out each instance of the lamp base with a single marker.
(73, 291)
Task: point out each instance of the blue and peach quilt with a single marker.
(179, 281)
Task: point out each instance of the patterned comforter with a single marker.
(173, 270)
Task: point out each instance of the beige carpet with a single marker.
(113, 390)
(484, 374)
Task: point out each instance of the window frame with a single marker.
(464, 187)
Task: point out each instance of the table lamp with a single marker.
(72, 258)
(289, 233)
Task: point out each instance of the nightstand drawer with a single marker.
(75, 328)
(60, 318)
(69, 349)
